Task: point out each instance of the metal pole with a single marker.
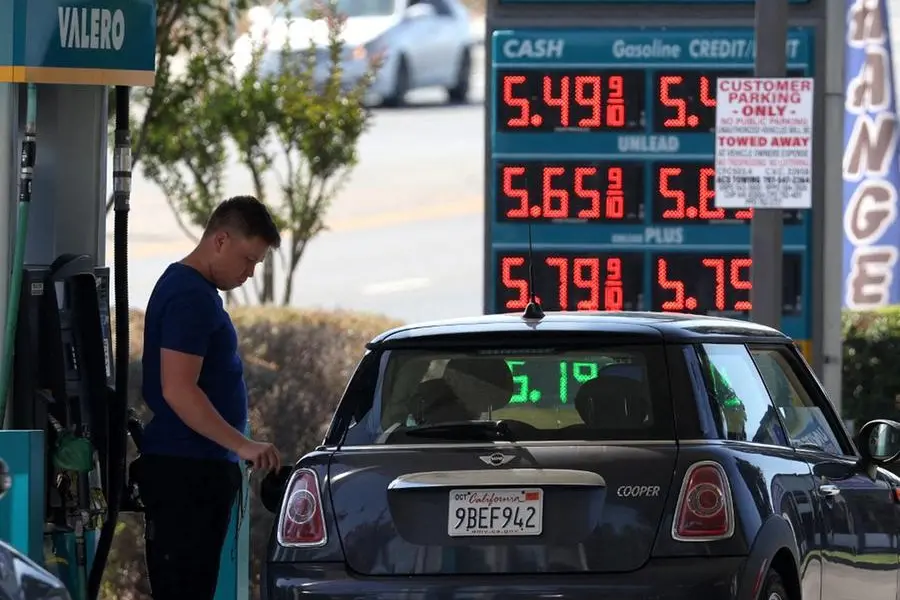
(832, 191)
(766, 226)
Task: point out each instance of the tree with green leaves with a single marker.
(281, 122)
(183, 27)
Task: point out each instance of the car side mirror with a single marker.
(272, 487)
(5, 478)
(419, 11)
(879, 441)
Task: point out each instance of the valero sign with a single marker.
(98, 42)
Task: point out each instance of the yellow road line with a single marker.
(468, 207)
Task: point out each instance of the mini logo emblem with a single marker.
(497, 459)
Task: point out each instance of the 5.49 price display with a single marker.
(709, 283)
(571, 281)
(593, 100)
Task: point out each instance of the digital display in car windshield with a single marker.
(530, 387)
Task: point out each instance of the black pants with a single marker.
(188, 506)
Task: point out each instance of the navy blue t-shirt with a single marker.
(185, 313)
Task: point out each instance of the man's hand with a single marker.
(261, 455)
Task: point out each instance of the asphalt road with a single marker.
(405, 233)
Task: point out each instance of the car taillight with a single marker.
(302, 521)
(704, 511)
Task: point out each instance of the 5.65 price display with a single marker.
(570, 281)
(709, 283)
(580, 190)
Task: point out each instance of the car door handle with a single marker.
(828, 490)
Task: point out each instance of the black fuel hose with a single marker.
(118, 414)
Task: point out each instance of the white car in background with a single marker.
(422, 43)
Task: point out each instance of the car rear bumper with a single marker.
(661, 579)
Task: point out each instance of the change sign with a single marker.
(764, 129)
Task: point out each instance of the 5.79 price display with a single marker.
(571, 281)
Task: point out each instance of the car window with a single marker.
(740, 400)
(805, 423)
(618, 393)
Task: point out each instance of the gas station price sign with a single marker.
(603, 141)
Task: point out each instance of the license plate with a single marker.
(495, 512)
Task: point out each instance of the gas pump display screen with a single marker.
(602, 143)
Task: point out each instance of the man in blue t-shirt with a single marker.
(189, 471)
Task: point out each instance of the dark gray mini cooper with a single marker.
(587, 456)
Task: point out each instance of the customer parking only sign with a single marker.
(764, 144)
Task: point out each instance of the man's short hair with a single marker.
(247, 216)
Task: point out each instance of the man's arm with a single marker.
(188, 323)
(180, 372)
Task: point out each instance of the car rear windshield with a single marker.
(605, 393)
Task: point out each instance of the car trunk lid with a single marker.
(592, 507)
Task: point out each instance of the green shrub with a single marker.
(296, 365)
(871, 365)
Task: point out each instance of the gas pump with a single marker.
(66, 384)
(66, 432)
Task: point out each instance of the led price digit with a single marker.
(507, 264)
(524, 394)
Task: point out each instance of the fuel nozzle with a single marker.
(5, 478)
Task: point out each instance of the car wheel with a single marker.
(401, 85)
(773, 588)
(459, 93)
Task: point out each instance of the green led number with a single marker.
(523, 394)
(584, 371)
(520, 381)
(581, 372)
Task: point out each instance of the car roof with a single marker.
(634, 326)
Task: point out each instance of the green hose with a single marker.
(15, 286)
